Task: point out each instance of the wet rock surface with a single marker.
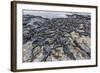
(56, 39)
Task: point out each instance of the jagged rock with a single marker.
(27, 49)
(56, 39)
(58, 52)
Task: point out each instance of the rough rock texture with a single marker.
(56, 39)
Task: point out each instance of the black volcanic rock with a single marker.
(57, 38)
